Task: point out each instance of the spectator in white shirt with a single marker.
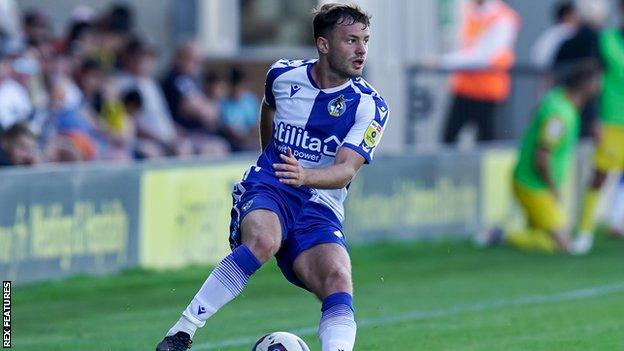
(15, 105)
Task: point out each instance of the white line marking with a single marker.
(579, 294)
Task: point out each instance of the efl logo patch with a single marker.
(373, 134)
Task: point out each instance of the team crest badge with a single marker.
(337, 106)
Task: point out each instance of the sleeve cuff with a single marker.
(367, 157)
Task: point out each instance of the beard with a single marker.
(342, 67)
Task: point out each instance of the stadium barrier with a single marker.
(428, 102)
(61, 221)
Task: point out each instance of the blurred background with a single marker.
(137, 80)
(124, 125)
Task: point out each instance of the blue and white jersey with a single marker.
(316, 122)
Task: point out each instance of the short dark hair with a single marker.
(15, 131)
(580, 73)
(563, 9)
(330, 15)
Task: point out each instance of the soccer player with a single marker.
(319, 123)
(546, 156)
(616, 225)
(609, 156)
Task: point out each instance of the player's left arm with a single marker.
(357, 149)
(336, 176)
(552, 133)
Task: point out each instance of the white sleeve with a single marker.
(370, 121)
(500, 36)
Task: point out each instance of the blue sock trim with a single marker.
(246, 260)
(341, 298)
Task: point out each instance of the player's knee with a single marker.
(337, 280)
(263, 244)
(261, 232)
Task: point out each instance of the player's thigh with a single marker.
(261, 231)
(610, 150)
(325, 269)
(541, 208)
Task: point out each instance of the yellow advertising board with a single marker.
(185, 214)
(496, 185)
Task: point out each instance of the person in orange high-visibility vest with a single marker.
(481, 81)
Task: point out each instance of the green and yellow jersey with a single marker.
(555, 125)
(612, 95)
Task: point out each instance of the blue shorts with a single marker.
(304, 223)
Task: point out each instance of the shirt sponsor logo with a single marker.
(303, 145)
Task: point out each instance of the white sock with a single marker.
(225, 282)
(337, 329)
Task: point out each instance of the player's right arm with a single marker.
(542, 165)
(551, 134)
(267, 113)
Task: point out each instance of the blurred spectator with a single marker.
(71, 124)
(547, 45)
(81, 40)
(18, 146)
(239, 113)
(216, 88)
(584, 45)
(190, 107)
(133, 106)
(488, 34)
(37, 31)
(90, 79)
(154, 124)
(10, 26)
(15, 104)
(116, 28)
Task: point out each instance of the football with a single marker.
(280, 341)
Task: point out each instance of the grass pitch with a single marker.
(417, 296)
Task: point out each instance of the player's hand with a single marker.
(290, 171)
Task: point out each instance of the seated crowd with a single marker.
(94, 94)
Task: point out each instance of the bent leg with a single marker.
(609, 156)
(590, 202)
(261, 237)
(532, 240)
(325, 269)
(545, 219)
